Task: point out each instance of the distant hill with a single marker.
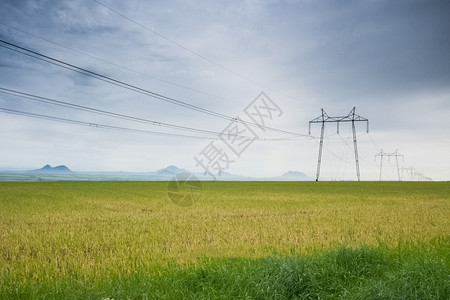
(174, 169)
(288, 176)
(295, 175)
(170, 170)
(47, 169)
(62, 173)
(292, 176)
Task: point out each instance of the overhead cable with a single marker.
(134, 88)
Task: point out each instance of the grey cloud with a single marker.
(389, 58)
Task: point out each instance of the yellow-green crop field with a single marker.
(128, 240)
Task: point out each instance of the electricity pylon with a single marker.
(416, 175)
(325, 118)
(395, 154)
(412, 172)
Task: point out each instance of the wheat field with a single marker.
(84, 233)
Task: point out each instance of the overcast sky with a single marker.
(389, 59)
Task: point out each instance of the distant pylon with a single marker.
(324, 118)
(395, 154)
(411, 171)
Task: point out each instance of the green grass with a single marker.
(345, 273)
(254, 240)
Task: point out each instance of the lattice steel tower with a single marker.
(325, 118)
(395, 154)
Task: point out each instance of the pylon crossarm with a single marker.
(351, 117)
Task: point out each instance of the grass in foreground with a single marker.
(120, 239)
(345, 273)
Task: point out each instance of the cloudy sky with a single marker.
(389, 59)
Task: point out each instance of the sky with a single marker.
(389, 59)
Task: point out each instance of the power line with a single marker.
(125, 117)
(102, 112)
(372, 141)
(97, 125)
(178, 44)
(317, 139)
(194, 52)
(104, 78)
(111, 127)
(350, 148)
(134, 88)
(115, 64)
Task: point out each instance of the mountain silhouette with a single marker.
(62, 172)
(170, 170)
(47, 169)
(294, 176)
